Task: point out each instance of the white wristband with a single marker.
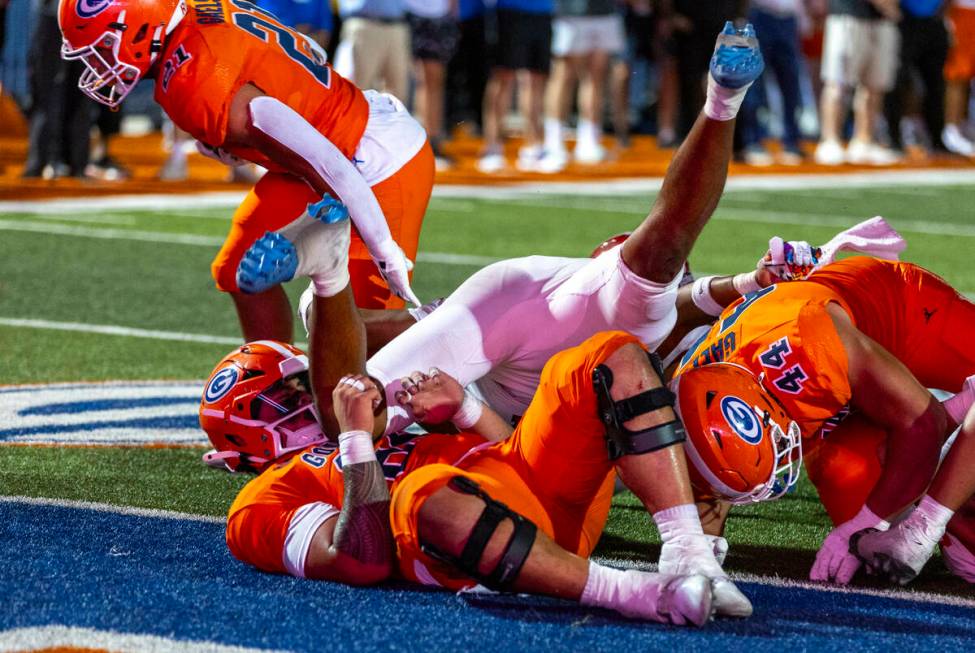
(468, 413)
(746, 282)
(602, 586)
(356, 447)
(936, 514)
(702, 298)
(957, 406)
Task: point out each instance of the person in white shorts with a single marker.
(860, 52)
(586, 34)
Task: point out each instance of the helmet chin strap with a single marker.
(158, 36)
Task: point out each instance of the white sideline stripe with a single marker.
(48, 637)
(496, 190)
(111, 330)
(109, 507)
(774, 581)
(196, 240)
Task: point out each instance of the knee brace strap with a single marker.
(621, 441)
(515, 552)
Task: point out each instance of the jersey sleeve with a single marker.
(197, 93)
(276, 538)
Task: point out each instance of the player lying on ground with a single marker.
(505, 322)
(519, 515)
(862, 333)
(247, 86)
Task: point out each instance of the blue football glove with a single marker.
(737, 61)
(270, 261)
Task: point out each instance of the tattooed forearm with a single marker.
(363, 531)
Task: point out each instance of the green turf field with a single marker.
(149, 270)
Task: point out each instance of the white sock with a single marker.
(553, 135)
(678, 521)
(587, 135)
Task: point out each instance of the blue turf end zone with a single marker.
(175, 578)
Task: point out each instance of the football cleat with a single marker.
(257, 407)
(742, 445)
(737, 60)
(329, 210)
(271, 260)
(117, 40)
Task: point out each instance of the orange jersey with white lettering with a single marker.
(785, 333)
(258, 521)
(222, 45)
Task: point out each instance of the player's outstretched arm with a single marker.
(889, 395)
(356, 548)
(696, 177)
(902, 552)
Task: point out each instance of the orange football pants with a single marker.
(279, 198)
(554, 469)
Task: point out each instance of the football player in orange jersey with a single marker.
(248, 87)
(863, 333)
(522, 514)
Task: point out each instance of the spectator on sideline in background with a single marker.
(467, 72)
(103, 166)
(694, 24)
(374, 45)
(60, 114)
(959, 71)
(635, 61)
(777, 26)
(924, 48)
(585, 35)
(522, 46)
(433, 24)
(860, 52)
(311, 17)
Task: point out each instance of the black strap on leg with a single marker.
(515, 552)
(621, 441)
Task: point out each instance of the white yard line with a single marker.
(59, 637)
(108, 507)
(111, 330)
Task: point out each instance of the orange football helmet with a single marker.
(610, 243)
(257, 407)
(743, 446)
(118, 41)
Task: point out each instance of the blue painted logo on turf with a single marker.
(742, 419)
(131, 413)
(220, 384)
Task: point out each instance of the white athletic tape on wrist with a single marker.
(469, 412)
(746, 282)
(936, 514)
(723, 103)
(702, 298)
(355, 383)
(356, 447)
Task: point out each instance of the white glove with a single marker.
(834, 562)
(220, 154)
(792, 260)
(395, 268)
(902, 552)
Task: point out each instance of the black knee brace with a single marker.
(621, 441)
(515, 552)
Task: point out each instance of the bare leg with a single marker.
(532, 87)
(337, 347)
(593, 86)
(497, 99)
(866, 105)
(832, 112)
(691, 190)
(956, 97)
(265, 316)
